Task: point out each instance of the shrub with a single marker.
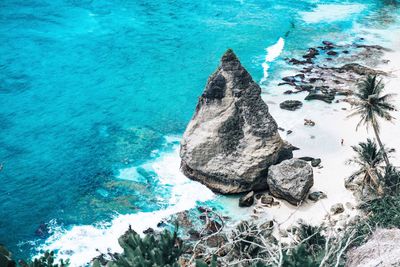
(46, 260)
(152, 250)
(392, 180)
(383, 212)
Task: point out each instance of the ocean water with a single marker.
(95, 94)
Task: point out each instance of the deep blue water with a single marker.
(89, 87)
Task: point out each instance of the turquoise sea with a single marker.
(94, 95)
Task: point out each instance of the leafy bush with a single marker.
(213, 263)
(152, 250)
(299, 257)
(311, 237)
(47, 260)
(383, 212)
(392, 181)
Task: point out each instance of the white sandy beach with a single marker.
(324, 141)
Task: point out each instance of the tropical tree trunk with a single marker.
(385, 157)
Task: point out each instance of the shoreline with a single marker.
(325, 145)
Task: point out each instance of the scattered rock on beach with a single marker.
(247, 200)
(317, 195)
(327, 98)
(337, 208)
(232, 138)
(308, 122)
(307, 158)
(291, 105)
(358, 69)
(315, 162)
(267, 200)
(291, 180)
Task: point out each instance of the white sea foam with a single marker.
(273, 52)
(79, 243)
(331, 12)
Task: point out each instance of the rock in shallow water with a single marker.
(290, 180)
(232, 139)
(247, 200)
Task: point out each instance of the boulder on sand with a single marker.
(291, 105)
(232, 139)
(291, 180)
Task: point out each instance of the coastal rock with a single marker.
(213, 226)
(382, 249)
(267, 201)
(291, 105)
(247, 200)
(216, 241)
(317, 195)
(337, 208)
(5, 258)
(315, 162)
(307, 158)
(291, 180)
(311, 53)
(358, 69)
(232, 139)
(308, 122)
(328, 98)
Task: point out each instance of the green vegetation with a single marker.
(46, 260)
(383, 212)
(371, 105)
(299, 257)
(369, 160)
(391, 181)
(164, 249)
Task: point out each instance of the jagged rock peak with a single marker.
(232, 139)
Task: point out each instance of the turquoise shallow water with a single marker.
(90, 87)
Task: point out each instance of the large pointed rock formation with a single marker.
(232, 139)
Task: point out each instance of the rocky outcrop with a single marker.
(5, 258)
(290, 180)
(382, 249)
(232, 139)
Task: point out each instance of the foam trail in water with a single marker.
(80, 242)
(331, 12)
(273, 52)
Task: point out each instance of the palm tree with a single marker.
(369, 158)
(370, 105)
